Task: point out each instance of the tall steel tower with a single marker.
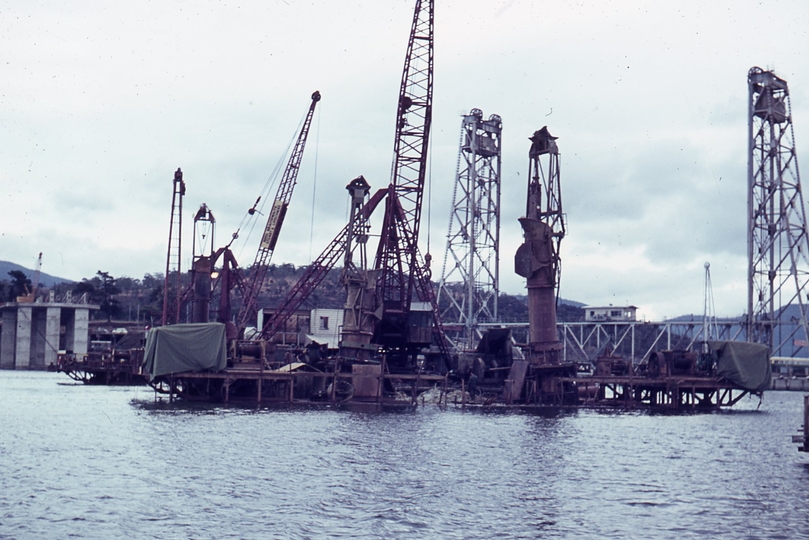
(777, 247)
(402, 272)
(470, 280)
(537, 259)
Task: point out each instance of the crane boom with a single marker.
(397, 253)
(173, 284)
(315, 273)
(275, 220)
(400, 271)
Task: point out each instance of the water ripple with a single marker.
(85, 462)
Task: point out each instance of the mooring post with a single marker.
(463, 395)
(334, 383)
(260, 380)
(804, 437)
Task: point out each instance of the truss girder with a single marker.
(584, 341)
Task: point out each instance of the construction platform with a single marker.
(364, 387)
(185, 364)
(369, 389)
(105, 368)
(671, 393)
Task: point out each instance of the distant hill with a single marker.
(44, 279)
(697, 318)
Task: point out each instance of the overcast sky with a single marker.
(100, 102)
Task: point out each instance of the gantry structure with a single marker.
(470, 280)
(778, 250)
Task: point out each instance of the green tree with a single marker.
(512, 308)
(127, 284)
(152, 297)
(20, 284)
(108, 289)
(88, 287)
(569, 313)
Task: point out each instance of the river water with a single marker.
(103, 462)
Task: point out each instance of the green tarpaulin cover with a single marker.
(744, 364)
(185, 347)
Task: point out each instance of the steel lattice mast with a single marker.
(710, 331)
(469, 286)
(778, 250)
(397, 255)
(171, 305)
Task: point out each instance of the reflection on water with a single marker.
(99, 462)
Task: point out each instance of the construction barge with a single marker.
(194, 362)
(393, 350)
(114, 356)
(362, 388)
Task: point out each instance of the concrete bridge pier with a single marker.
(34, 332)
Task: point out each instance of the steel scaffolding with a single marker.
(777, 246)
(469, 286)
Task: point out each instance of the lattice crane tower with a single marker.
(777, 247)
(470, 281)
(401, 270)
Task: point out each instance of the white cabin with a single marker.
(610, 313)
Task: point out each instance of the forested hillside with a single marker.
(125, 298)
